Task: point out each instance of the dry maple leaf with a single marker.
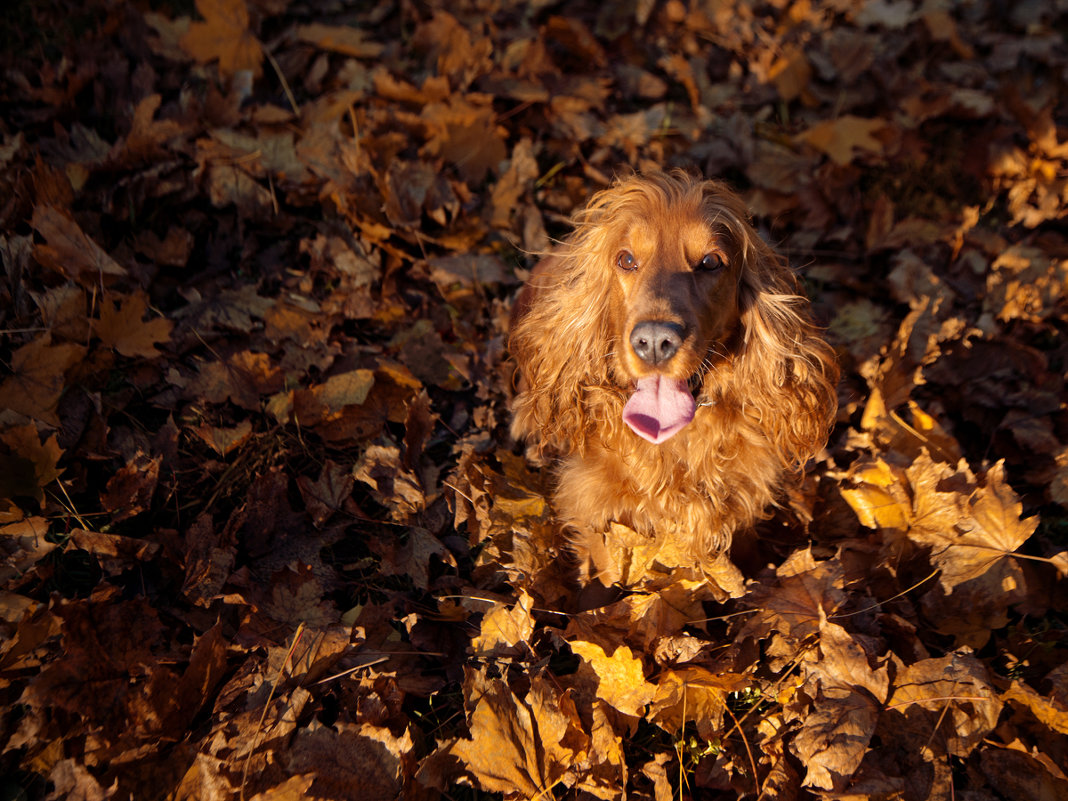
(505, 753)
(877, 496)
(693, 694)
(121, 327)
(947, 700)
(841, 138)
(790, 611)
(504, 628)
(329, 493)
(29, 464)
(466, 134)
(224, 35)
(1049, 712)
(620, 677)
(38, 377)
(147, 136)
(974, 537)
(835, 735)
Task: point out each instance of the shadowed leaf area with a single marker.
(264, 533)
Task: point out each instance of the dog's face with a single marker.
(675, 277)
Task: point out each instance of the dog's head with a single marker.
(674, 252)
(664, 291)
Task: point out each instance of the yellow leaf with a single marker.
(621, 680)
(506, 627)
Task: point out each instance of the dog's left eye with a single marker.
(626, 261)
(711, 262)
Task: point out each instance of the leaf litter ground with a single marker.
(264, 534)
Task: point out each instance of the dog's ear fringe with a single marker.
(787, 370)
(560, 344)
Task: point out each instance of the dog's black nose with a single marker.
(655, 341)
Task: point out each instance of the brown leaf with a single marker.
(115, 553)
(68, 249)
(344, 757)
(121, 327)
(396, 487)
(72, 781)
(342, 39)
(147, 136)
(29, 464)
(224, 440)
(981, 542)
(849, 694)
(129, 492)
(790, 73)
(790, 611)
(1015, 774)
(224, 35)
(244, 378)
(947, 700)
(841, 138)
(464, 132)
(1049, 712)
(328, 494)
(38, 378)
(173, 250)
(23, 544)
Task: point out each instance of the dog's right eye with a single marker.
(626, 261)
(711, 262)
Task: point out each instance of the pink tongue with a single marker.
(659, 408)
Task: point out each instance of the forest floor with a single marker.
(264, 533)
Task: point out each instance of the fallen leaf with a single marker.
(68, 249)
(121, 327)
(620, 677)
(843, 137)
(38, 378)
(503, 752)
(224, 35)
(504, 628)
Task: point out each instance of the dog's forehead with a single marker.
(689, 229)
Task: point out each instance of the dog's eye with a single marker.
(626, 261)
(711, 262)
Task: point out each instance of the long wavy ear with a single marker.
(787, 371)
(561, 339)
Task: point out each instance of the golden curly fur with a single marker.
(676, 253)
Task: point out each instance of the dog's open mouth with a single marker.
(659, 408)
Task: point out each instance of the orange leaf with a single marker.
(503, 750)
(224, 35)
(841, 137)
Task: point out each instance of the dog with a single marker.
(669, 368)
